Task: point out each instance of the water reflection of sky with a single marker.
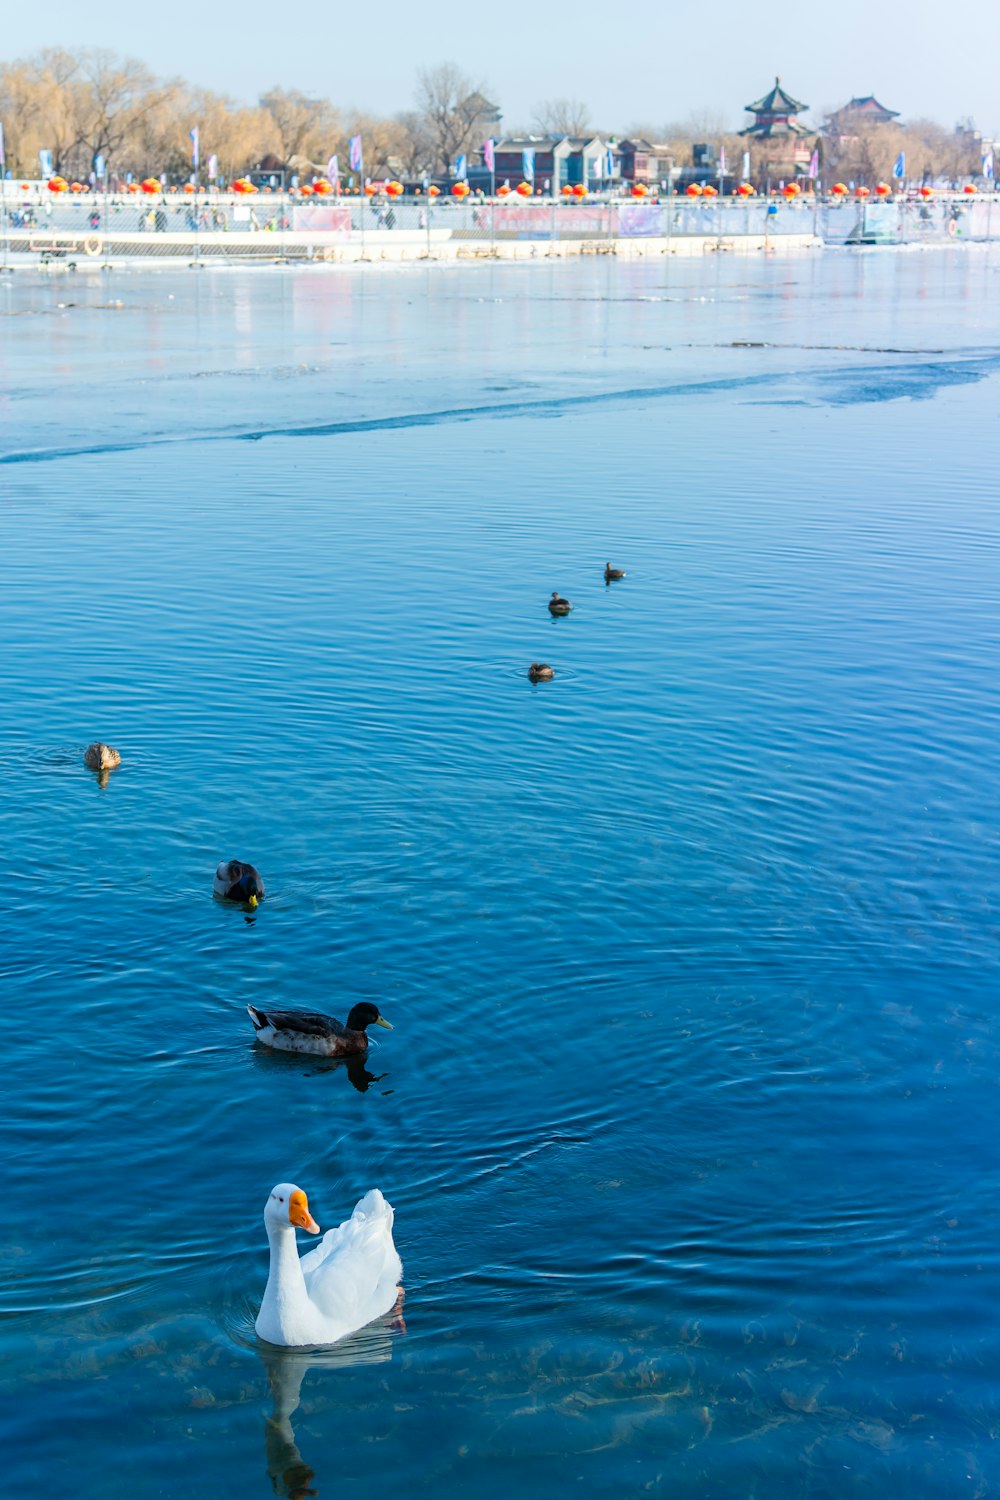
(690, 953)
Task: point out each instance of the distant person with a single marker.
(160, 220)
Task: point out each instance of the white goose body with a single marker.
(349, 1279)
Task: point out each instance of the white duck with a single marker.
(348, 1280)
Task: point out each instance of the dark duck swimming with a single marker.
(310, 1031)
(236, 881)
(558, 605)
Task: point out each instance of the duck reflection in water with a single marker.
(356, 1068)
(287, 1470)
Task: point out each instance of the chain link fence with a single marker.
(38, 225)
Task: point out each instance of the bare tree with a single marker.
(304, 126)
(114, 96)
(454, 111)
(562, 117)
(416, 148)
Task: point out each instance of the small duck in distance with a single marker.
(611, 575)
(319, 1035)
(101, 757)
(558, 605)
(540, 671)
(237, 881)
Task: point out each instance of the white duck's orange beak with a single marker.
(298, 1212)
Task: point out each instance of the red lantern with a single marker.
(862, 192)
(433, 191)
(525, 189)
(150, 185)
(839, 189)
(579, 190)
(693, 190)
(460, 190)
(969, 188)
(925, 191)
(639, 190)
(394, 189)
(306, 190)
(371, 189)
(133, 187)
(322, 187)
(745, 190)
(503, 191)
(58, 185)
(790, 190)
(708, 191)
(567, 191)
(883, 190)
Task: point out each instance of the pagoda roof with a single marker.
(777, 102)
(771, 130)
(868, 105)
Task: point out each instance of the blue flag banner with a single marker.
(332, 169)
(899, 170)
(461, 171)
(489, 156)
(213, 168)
(193, 132)
(987, 165)
(354, 157)
(45, 163)
(609, 163)
(528, 165)
(99, 165)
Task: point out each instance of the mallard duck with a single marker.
(101, 757)
(558, 605)
(322, 1036)
(540, 671)
(612, 574)
(236, 881)
(348, 1280)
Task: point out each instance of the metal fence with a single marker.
(273, 226)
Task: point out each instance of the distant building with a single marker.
(638, 161)
(862, 111)
(559, 161)
(779, 149)
(775, 116)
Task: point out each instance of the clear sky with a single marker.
(642, 63)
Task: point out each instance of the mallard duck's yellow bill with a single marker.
(252, 902)
(383, 1022)
(299, 1215)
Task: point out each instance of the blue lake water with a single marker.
(689, 1113)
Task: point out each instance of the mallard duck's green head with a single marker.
(249, 888)
(366, 1014)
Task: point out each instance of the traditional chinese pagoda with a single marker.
(775, 116)
(862, 111)
(778, 149)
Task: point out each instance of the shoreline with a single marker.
(26, 251)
